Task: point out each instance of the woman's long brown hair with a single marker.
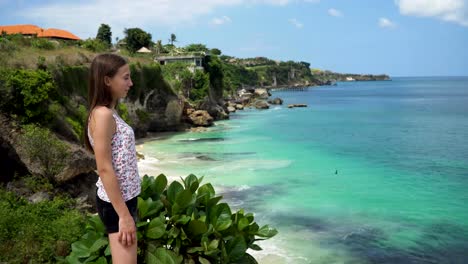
(99, 93)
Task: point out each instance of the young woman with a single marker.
(113, 143)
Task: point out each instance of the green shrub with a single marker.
(180, 223)
(201, 86)
(43, 146)
(77, 119)
(94, 45)
(77, 127)
(37, 233)
(42, 43)
(148, 79)
(30, 92)
(143, 116)
(19, 39)
(38, 183)
(7, 46)
(123, 112)
(6, 104)
(72, 80)
(41, 63)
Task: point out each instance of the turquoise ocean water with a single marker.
(369, 172)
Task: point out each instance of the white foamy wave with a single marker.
(149, 159)
(219, 188)
(242, 188)
(152, 166)
(275, 253)
(149, 163)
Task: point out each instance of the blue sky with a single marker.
(396, 37)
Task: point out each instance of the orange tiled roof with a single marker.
(21, 29)
(35, 30)
(56, 33)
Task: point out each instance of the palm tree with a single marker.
(173, 39)
(159, 47)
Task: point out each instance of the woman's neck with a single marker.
(113, 104)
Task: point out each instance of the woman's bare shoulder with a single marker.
(101, 117)
(102, 112)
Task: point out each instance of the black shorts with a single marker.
(109, 216)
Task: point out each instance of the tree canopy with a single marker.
(104, 34)
(137, 38)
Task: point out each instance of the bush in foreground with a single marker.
(180, 224)
(37, 233)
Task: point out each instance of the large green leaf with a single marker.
(255, 247)
(236, 248)
(266, 231)
(213, 201)
(189, 180)
(107, 252)
(174, 188)
(162, 256)
(174, 232)
(183, 219)
(146, 183)
(203, 260)
(148, 208)
(91, 258)
(184, 198)
(196, 227)
(159, 184)
(100, 243)
(143, 207)
(73, 259)
(243, 223)
(156, 228)
(220, 216)
(81, 249)
(142, 223)
(213, 244)
(252, 229)
(205, 192)
(249, 217)
(151, 258)
(95, 224)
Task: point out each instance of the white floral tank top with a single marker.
(124, 161)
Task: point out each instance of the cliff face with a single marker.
(263, 72)
(328, 76)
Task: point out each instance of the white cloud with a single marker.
(220, 20)
(296, 23)
(334, 12)
(447, 10)
(386, 23)
(84, 17)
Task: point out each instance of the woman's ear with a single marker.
(107, 81)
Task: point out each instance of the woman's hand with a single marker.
(127, 230)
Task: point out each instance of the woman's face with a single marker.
(120, 83)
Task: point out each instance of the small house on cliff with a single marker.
(194, 60)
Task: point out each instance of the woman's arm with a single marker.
(103, 127)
